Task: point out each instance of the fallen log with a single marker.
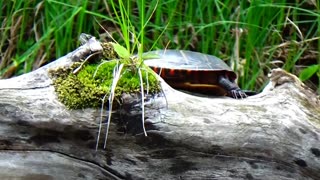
(272, 135)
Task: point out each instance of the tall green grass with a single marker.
(252, 36)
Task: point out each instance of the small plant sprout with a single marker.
(125, 63)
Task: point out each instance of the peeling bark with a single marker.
(273, 135)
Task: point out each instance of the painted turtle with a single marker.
(195, 72)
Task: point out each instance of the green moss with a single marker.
(88, 87)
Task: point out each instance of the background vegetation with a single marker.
(252, 36)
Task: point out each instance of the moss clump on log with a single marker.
(87, 87)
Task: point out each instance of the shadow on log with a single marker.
(273, 135)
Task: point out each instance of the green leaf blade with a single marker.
(121, 51)
(308, 72)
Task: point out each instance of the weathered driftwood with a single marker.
(273, 135)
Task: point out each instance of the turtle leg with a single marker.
(232, 88)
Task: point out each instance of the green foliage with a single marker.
(35, 32)
(250, 35)
(309, 71)
(121, 51)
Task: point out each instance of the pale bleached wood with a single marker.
(273, 135)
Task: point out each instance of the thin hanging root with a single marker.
(142, 101)
(147, 82)
(116, 75)
(79, 68)
(165, 97)
(100, 123)
(95, 72)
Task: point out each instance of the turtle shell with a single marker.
(191, 71)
